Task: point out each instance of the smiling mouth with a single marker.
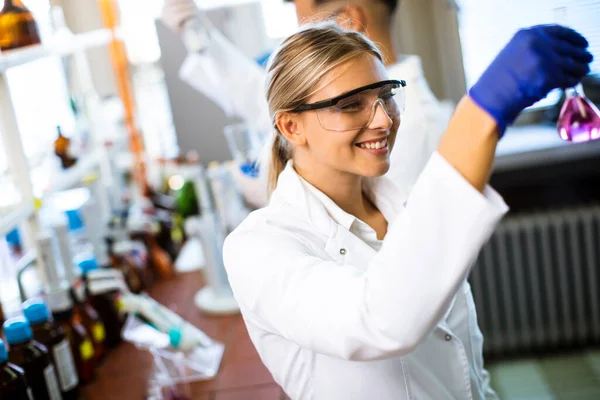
(373, 144)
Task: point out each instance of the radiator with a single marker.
(536, 282)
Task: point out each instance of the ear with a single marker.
(353, 17)
(289, 124)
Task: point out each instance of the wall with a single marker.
(429, 29)
(83, 16)
(198, 121)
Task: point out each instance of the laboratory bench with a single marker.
(125, 372)
(536, 170)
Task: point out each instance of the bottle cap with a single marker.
(17, 330)
(175, 337)
(123, 247)
(87, 264)
(59, 300)
(35, 311)
(74, 220)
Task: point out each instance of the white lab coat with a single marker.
(333, 319)
(237, 84)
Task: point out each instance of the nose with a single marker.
(381, 120)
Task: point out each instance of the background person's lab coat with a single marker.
(237, 84)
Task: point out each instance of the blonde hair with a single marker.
(294, 71)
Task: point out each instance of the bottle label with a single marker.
(86, 349)
(79, 289)
(99, 332)
(51, 384)
(67, 375)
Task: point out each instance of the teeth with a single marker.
(374, 145)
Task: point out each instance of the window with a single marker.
(486, 26)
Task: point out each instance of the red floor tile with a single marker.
(116, 388)
(240, 347)
(240, 374)
(269, 392)
(284, 396)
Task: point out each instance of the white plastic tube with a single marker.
(47, 261)
(94, 226)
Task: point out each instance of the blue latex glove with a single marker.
(534, 62)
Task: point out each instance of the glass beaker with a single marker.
(579, 119)
(244, 147)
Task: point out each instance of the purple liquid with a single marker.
(579, 120)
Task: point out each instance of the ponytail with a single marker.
(280, 155)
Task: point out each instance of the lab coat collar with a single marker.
(388, 198)
(340, 216)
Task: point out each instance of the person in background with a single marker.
(219, 70)
(351, 289)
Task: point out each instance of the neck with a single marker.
(344, 189)
(384, 42)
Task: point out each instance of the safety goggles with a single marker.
(356, 108)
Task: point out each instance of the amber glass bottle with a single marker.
(17, 26)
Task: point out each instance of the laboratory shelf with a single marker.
(82, 41)
(15, 217)
(75, 175)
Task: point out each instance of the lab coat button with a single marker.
(342, 251)
(448, 338)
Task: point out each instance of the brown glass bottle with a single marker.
(81, 343)
(91, 320)
(121, 259)
(33, 358)
(105, 302)
(164, 234)
(81, 306)
(13, 384)
(139, 258)
(62, 148)
(159, 259)
(2, 319)
(95, 326)
(17, 26)
(52, 335)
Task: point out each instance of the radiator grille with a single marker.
(536, 282)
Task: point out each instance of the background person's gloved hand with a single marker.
(535, 61)
(176, 12)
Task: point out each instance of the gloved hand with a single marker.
(535, 61)
(176, 12)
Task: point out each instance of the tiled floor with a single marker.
(568, 377)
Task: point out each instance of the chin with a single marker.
(376, 171)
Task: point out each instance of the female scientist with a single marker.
(351, 289)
